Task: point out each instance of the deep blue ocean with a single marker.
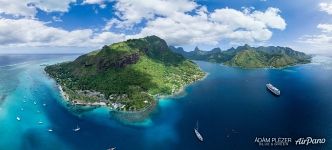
(231, 105)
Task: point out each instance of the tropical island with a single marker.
(127, 76)
(130, 76)
(248, 57)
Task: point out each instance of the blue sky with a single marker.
(77, 26)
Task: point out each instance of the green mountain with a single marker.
(250, 57)
(196, 54)
(127, 75)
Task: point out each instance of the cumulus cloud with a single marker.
(54, 5)
(28, 32)
(132, 12)
(17, 8)
(323, 39)
(28, 8)
(321, 42)
(179, 22)
(93, 1)
(101, 3)
(325, 27)
(186, 22)
(320, 39)
(326, 7)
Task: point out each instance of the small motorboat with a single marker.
(198, 135)
(77, 129)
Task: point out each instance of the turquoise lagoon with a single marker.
(231, 105)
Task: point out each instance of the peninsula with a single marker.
(125, 76)
(248, 57)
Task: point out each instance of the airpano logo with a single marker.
(286, 141)
(309, 140)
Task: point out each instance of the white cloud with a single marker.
(271, 18)
(132, 12)
(325, 27)
(183, 22)
(57, 19)
(93, 1)
(17, 8)
(326, 7)
(101, 3)
(211, 28)
(28, 8)
(179, 22)
(54, 5)
(28, 32)
(322, 41)
(111, 23)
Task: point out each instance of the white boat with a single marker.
(198, 135)
(113, 148)
(50, 130)
(77, 129)
(40, 122)
(35, 102)
(18, 118)
(273, 89)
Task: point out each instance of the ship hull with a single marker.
(198, 135)
(273, 89)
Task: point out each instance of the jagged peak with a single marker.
(153, 37)
(217, 49)
(197, 49)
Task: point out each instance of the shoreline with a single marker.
(267, 67)
(181, 91)
(125, 116)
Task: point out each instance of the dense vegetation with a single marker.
(129, 74)
(249, 57)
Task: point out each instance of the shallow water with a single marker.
(231, 105)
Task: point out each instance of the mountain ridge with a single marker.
(126, 76)
(249, 57)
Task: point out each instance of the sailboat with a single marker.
(198, 135)
(77, 129)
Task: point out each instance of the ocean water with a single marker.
(231, 105)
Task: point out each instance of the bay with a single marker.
(231, 105)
